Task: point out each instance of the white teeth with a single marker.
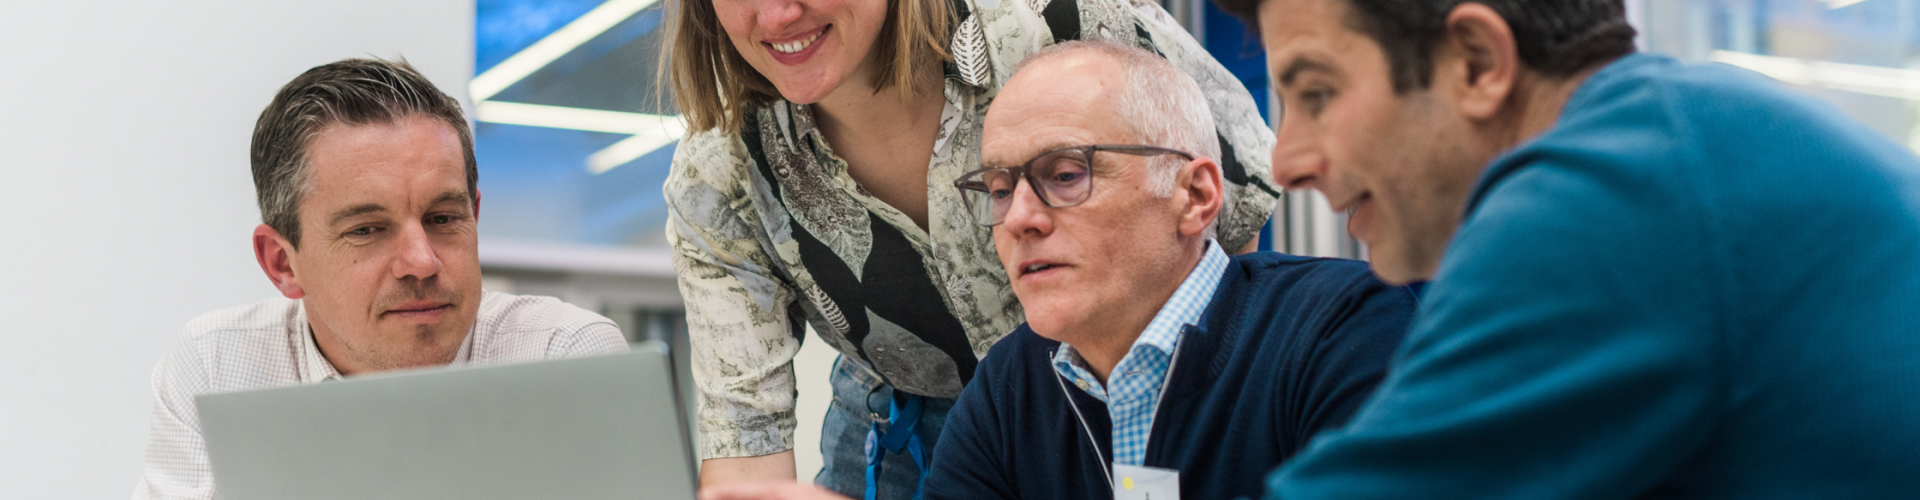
(792, 47)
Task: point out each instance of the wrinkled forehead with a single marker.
(1067, 100)
(408, 164)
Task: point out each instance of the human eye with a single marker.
(1067, 169)
(362, 232)
(444, 221)
(1314, 100)
(998, 184)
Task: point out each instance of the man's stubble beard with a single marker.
(418, 350)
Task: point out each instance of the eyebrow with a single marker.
(453, 196)
(1299, 65)
(1048, 147)
(372, 208)
(353, 211)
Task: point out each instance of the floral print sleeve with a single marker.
(737, 307)
(771, 234)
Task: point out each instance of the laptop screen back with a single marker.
(587, 428)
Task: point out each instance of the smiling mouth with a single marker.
(1353, 203)
(797, 45)
(420, 310)
(1038, 267)
(1358, 224)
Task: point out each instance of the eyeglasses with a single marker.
(1061, 178)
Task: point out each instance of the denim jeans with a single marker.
(859, 399)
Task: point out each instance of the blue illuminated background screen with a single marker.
(572, 138)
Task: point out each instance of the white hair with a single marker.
(1162, 105)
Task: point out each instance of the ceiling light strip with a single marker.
(591, 120)
(620, 153)
(557, 44)
(649, 132)
(1873, 80)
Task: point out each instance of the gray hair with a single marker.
(1162, 105)
(350, 92)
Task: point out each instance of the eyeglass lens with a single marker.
(1062, 179)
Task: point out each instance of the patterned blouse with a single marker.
(771, 234)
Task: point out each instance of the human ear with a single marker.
(1202, 195)
(275, 256)
(1478, 60)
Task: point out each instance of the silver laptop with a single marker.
(586, 428)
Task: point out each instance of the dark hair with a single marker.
(1554, 37)
(351, 92)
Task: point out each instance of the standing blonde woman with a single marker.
(816, 188)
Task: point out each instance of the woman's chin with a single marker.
(809, 90)
(803, 94)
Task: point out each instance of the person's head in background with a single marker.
(1394, 107)
(1107, 234)
(367, 188)
(728, 56)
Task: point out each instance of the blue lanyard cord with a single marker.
(899, 434)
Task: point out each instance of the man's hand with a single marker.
(768, 491)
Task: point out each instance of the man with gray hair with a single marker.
(1151, 362)
(367, 187)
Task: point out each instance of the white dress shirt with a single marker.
(268, 344)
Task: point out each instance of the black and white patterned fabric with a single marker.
(771, 233)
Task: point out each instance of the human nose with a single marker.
(1297, 162)
(775, 15)
(416, 256)
(1025, 213)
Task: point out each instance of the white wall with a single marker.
(126, 203)
(811, 367)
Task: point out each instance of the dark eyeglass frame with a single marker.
(973, 181)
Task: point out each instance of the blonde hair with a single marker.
(714, 86)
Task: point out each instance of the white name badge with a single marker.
(1132, 482)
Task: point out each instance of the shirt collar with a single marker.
(1184, 308)
(796, 122)
(1187, 303)
(313, 365)
(466, 345)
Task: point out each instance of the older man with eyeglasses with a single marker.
(1152, 364)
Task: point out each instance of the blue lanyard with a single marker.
(899, 434)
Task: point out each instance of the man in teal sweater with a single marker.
(1649, 279)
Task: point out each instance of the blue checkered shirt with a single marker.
(1138, 378)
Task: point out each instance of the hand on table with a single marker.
(768, 491)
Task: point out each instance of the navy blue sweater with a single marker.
(1289, 347)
